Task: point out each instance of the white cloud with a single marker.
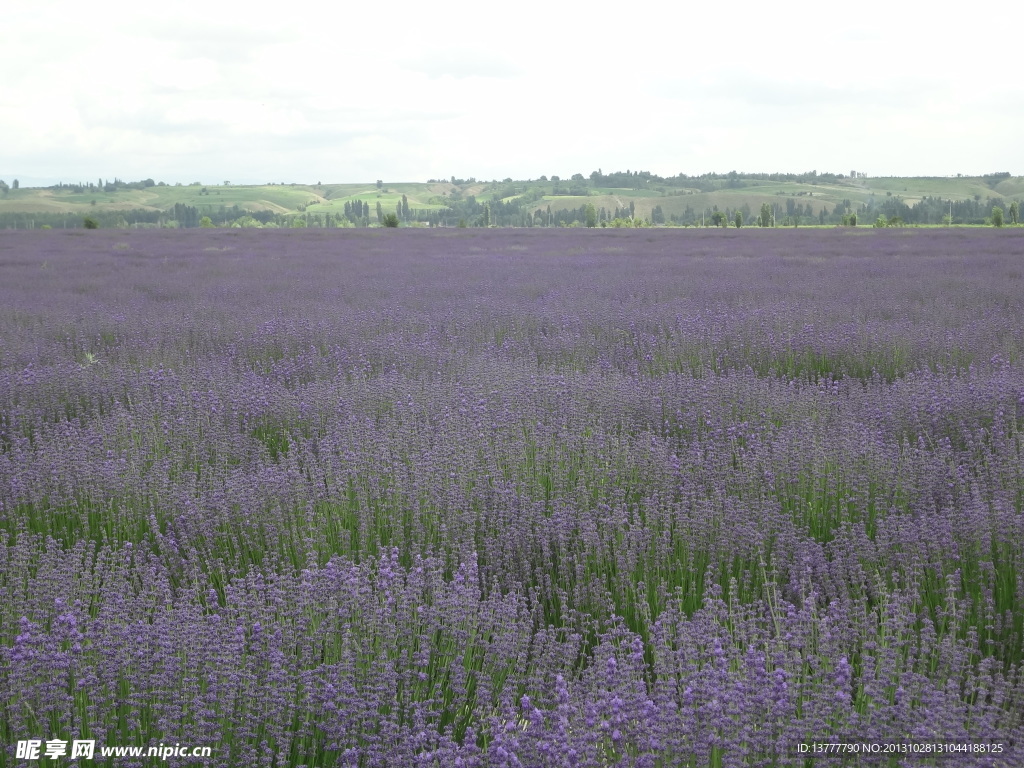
(409, 90)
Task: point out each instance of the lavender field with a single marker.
(512, 498)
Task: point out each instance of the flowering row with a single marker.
(481, 498)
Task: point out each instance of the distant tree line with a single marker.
(469, 211)
(935, 210)
(102, 185)
(185, 216)
(521, 204)
(706, 182)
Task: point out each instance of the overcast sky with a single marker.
(405, 91)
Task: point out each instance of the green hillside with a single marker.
(799, 199)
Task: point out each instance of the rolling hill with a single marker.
(793, 198)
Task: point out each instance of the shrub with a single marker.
(390, 220)
(90, 223)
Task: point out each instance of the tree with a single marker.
(1014, 212)
(765, 219)
(997, 217)
(206, 222)
(380, 212)
(391, 220)
(90, 223)
(380, 184)
(590, 213)
(15, 184)
(405, 207)
(738, 220)
(718, 218)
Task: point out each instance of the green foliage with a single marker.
(206, 222)
(738, 219)
(765, 219)
(90, 223)
(881, 221)
(1014, 212)
(997, 217)
(591, 215)
(391, 220)
(683, 200)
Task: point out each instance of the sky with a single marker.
(407, 91)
